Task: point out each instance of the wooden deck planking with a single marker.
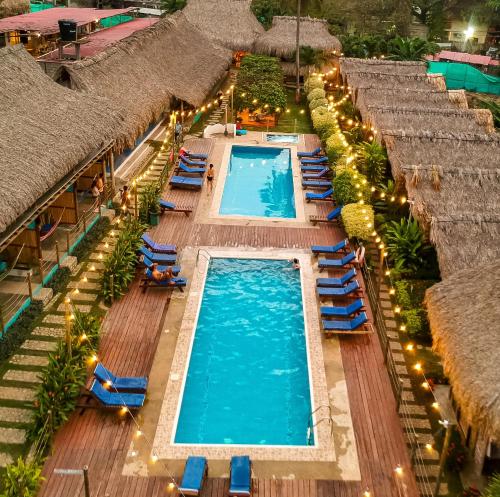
(133, 326)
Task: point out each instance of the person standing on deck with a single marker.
(210, 179)
(178, 131)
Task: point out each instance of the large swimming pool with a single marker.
(248, 379)
(259, 182)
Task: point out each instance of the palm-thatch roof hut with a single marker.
(46, 131)
(280, 40)
(383, 80)
(10, 8)
(141, 73)
(229, 23)
(464, 316)
(348, 65)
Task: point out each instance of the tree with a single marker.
(265, 10)
(171, 6)
(410, 49)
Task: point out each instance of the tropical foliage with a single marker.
(350, 187)
(493, 487)
(358, 221)
(171, 6)
(318, 102)
(265, 10)
(316, 93)
(335, 147)
(363, 46)
(410, 49)
(372, 161)
(149, 200)
(313, 82)
(22, 479)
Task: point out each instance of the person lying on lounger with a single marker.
(163, 276)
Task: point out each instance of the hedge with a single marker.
(350, 187)
(316, 93)
(356, 218)
(318, 102)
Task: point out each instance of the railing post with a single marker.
(40, 263)
(30, 287)
(57, 253)
(2, 324)
(86, 484)
(84, 223)
(68, 244)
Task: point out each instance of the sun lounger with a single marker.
(166, 259)
(182, 168)
(330, 249)
(158, 247)
(195, 156)
(114, 400)
(337, 282)
(331, 216)
(318, 160)
(317, 168)
(352, 288)
(314, 153)
(184, 182)
(195, 474)
(337, 263)
(309, 183)
(120, 383)
(355, 326)
(326, 195)
(190, 162)
(320, 174)
(241, 476)
(171, 207)
(342, 311)
(172, 283)
(175, 269)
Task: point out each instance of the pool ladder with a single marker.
(205, 253)
(311, 425)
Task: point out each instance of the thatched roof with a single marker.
(142, 72)
(464, 316)
(46, 130)
(280, 39)
(13, 7)
(230, 23)
(348, 65)
(409, 81)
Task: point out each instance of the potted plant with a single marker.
(149, 204)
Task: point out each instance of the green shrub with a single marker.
(22, 479)
(493, 487)
(335, 148)
(417, 325)
(358, 221)
(316, 93)
(350, 187)
(402, 296)
(319, 102)
(149, 201)
(60, 280)
(411, 293)
(372, 161)
(91, 239)
(324, 122)
(119, 265)
(313, 82)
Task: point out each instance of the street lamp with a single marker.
(469, 33)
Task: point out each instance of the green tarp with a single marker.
(465, 77)
(37, 7)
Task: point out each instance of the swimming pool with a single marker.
(259, 182)
(248, 379)
(281, 138)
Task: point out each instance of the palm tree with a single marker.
(410, 49)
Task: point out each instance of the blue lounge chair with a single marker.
(330, 217)
(190, 170)
(342, 311)
(184, 182)
(166, 259)
(241, 476)
(337, 263)
(332, 282)
(158, 247)
(318, 160)
(196, 156)
(148, 280)
(196, 163)
(195, 474)
(323, 172)
(114, 400)
(352, 287)
(171, 207)
(314, 153)
(309, 183)
(326, 195)
(305, 169)
(355, 326)
(120, 383)
(330, 249)
(175, 269)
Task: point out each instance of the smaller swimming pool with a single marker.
(281, 138)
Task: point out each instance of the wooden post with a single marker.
(86, 484)
(75, 202)
(112, 285)
(57, 253)
(112, 169)
(380, 273)
(40, 264)
(30, 286)
(84, 224)
(68, 325)
(136, 187)
(68, 244)
(444, 454)
(297, 55)
(2, 324)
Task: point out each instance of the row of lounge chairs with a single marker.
(349, 318)
(196, 473)
(189, 164)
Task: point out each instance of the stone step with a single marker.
(96, 257)
(48, 332)
(91, 275)
(39, 345)
(16, 393)
(427, 470)
(15, 415)
(423, 438)
(84, 285)
(29, 360)
(80, 307)
(426, 492)
(12, 435)
(417, 410)
(79, 296)
(20, 375)
(54, 319)
(421, 424)
(5, 459)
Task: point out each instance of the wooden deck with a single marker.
(133, 325)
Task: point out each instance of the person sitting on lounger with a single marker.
(162, 276)
(360, 255)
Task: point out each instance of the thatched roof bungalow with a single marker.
(349, 65)
(464, 316)
(383, 80)
(13, 7)
(47, 131)
(280, 40)
(143, 72)
(229, 23)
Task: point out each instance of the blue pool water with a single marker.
(275, 138)
(247, 381)
(259, 182)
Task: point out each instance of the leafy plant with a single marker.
(149, 200)
(335, 147)
(316, 93)
(319, 102)
(60, 280)
(313, 82)
(91, 239)
(350, 187)
(417, 325)
(324, 122)
(403, 298)
(406, 244)
(22, 479)
(410, 49)
(265, 10)
(171, 6)
(493, 487)
(358, 221)
(372, 160)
